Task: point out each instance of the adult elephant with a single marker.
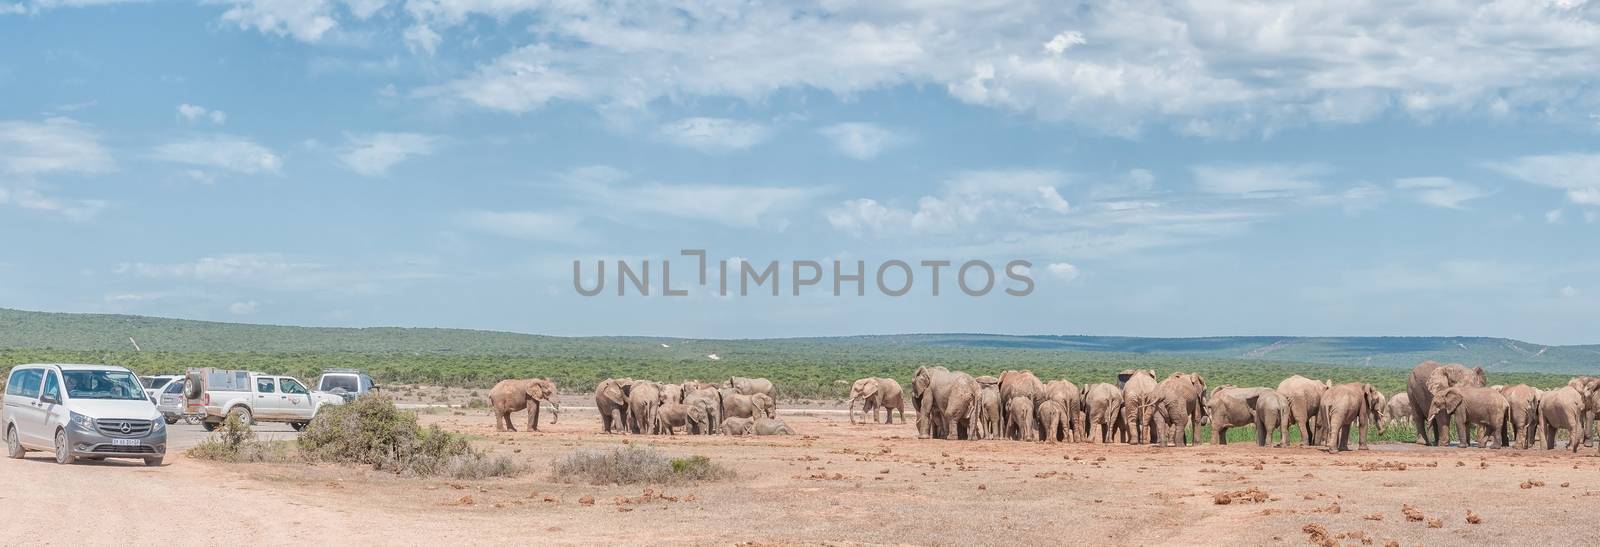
(671, 393)
(946, 403)
(1066, 394)
(1019, 419)
(1181, 404)
(1480, 406)
(1230, 407)
(1353, 404)
(875, 393)
(709, 401)
(1427, 379)
(1305, 404)
(1272, 412)
(1523, 402)
(1591, 385)
(1103, 407)
(1055, 420)
(1139, 399)
(752, 386)
(738, 405)
(1020, 383)
(1563, 409)
(611, 401)
(1398, 409)
(643, 400)
(671, 416)
(510, 396)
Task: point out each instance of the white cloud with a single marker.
(422, 38)
(1576, 173)
(1553, 216)
(1064, 41)
(1258, 180)
(243, 308)
(714, 135)
(862, 141)
(1063, 271)
(192, 113)
(56, 145)
(373, 154)
(76, 210)
(536, 225)
(611, 192)
(237, 154)
(305, 20)
(967, 200)
(1440, 191)
(1569, 291)
(274, 271)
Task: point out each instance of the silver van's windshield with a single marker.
(102, 384)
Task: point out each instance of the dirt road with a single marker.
(835, 483)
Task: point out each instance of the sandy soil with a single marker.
(836, 483)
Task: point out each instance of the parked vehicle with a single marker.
(89, 412)
(252, 396)
(345, 382)
(154, 384)
(171, 403)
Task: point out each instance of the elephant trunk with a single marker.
(555, 410)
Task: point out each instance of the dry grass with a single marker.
(634, 464)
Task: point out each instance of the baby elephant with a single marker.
(772, 426)
(738, 426)
(1053, 415)
(1019, 418)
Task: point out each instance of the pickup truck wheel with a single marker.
(13, 444)
(209, 426)
(152, 462)
(63, 450)
(243, 414)
(170, 419)
(299, 426)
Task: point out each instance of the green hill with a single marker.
(111, 333)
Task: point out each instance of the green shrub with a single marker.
(371, 431)
(635, 464)
(234, 442)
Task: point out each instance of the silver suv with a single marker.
(345, 382)
(89, 412)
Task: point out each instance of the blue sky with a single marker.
(1170, 169)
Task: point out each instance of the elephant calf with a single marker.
(771, 426)
(671, 416)
(1019, 418)
(988, 426)
(1057, 423)
(738, 426)
(1272, 412)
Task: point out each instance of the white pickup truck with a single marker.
(253, 396)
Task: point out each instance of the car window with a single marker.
(366, 382)
(102, 384)
(147, 382)
(266, 385)
(174, 388)
(159, 383)
(331, 382)
(25, 382)
(291, 385)
(52, 386)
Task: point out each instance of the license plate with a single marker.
(124, 442)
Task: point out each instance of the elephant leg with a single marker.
(1419, 422)
(533, 417)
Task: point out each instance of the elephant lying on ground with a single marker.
(1019, 419)
(1272, 412)
(772, 426)
(1353, 404)
(1480, 406)
(510, 396)
(738, 426)
(1103, 407)
(1231, 407)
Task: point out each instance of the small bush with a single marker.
(635, 464)
(371, 431)
(234, 442)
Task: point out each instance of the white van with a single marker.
(89, 412)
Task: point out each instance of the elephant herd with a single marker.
(1140, 409)
(742, 406)
(1439, 399)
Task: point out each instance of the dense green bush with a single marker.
(371, 431)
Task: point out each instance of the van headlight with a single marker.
(82, 422)
(158, 424)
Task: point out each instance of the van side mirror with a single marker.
(49, 399)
